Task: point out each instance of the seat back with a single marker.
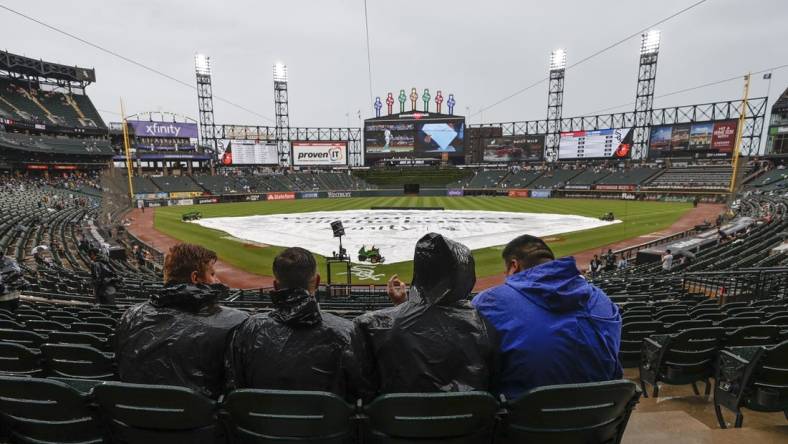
(46, 411)
(680, 326)
(24, 337)
(153, 414)
(690, 354)
(46, 326)
(16, 359)
(738, 322)
(63, 337)
(265, 416)
(632, 335)
(575, 413)
(89, 327)
(466, 417)
(752, 335)
(77, 361)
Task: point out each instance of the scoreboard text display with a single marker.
(319, 153)
(597, 144)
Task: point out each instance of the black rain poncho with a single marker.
(294, 347)
(105, 281)
(436, 341)
(178, 338)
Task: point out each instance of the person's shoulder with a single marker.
(491, 295)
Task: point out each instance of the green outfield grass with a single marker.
(637, 218)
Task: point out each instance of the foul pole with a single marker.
(127, 150)
(739, 132)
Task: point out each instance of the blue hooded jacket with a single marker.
(554, 328)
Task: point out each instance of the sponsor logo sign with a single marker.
(208, 201)
(309, 195)
(338, 194)
(518, 193)
(540, 194)
(163, 129)
(454, 192)
(319, 153)
(616, 187)
(280, 196)
(578, 187)
(253, 197)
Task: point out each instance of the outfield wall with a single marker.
(159, 200)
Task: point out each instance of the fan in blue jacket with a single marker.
(554, 327)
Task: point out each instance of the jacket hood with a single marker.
(189, 297)
(295, 307)
(556, 285)
(443, 270)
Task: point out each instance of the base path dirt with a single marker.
(142, 227)
(696, 216)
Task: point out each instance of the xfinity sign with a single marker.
(164, 129)
(319, 153)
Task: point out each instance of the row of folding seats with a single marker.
(67, 410)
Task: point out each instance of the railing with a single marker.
(739, 285)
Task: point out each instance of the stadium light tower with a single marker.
(555, 101)
(282, 113)
(202, 69)
(644, 95)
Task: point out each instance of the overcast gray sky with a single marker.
(480, 50)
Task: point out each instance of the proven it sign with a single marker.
(319, 153)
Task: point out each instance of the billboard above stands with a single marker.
(612, 143)
(525, 148)
(319, 153)
(249, 152)
(698, 140)
(142, 128)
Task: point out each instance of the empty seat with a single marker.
(24, 337)
(155, 414)
(61, 337)
(436, 417)
(752, 335)
(46, 326)
(264, 416)
(632, 335)
(574, 413)
(78, 361)
(738, 322)
(89, 327)
(752, 377)
(683, 358)
(46, 411)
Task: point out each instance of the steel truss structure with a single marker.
(555, 104)
(282, 114)
(644, 103)
(205, 108)
(269, 134)
(751, 133)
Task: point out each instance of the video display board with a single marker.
(615, 143)
(698, 140)
(440, 137)
(319, 153)
(249, 152)
(414, 135)
(525, 148)
(388, 138)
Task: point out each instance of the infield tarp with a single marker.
(395, 232)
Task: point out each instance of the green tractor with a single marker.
(372, 255)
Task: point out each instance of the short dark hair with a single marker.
(528, 250)
(184, 259)
(294, 268)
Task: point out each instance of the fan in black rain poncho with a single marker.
(105, 281)
(179, 336)
(435, 341)
(296, 346)
(12, 282)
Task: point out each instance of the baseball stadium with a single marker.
(403, 266)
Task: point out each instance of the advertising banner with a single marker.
(577, 187)
(526, 148)
(615, 187)
(540, 194)
(184, 194)
(211, 200)
(309, 195)
(142, 128)
(518, 193)
(455, 192)
(280, 196)
(698, 140)
(254, 197)
(319, 153)
(338, 194)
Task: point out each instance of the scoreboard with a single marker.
(597, 144)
